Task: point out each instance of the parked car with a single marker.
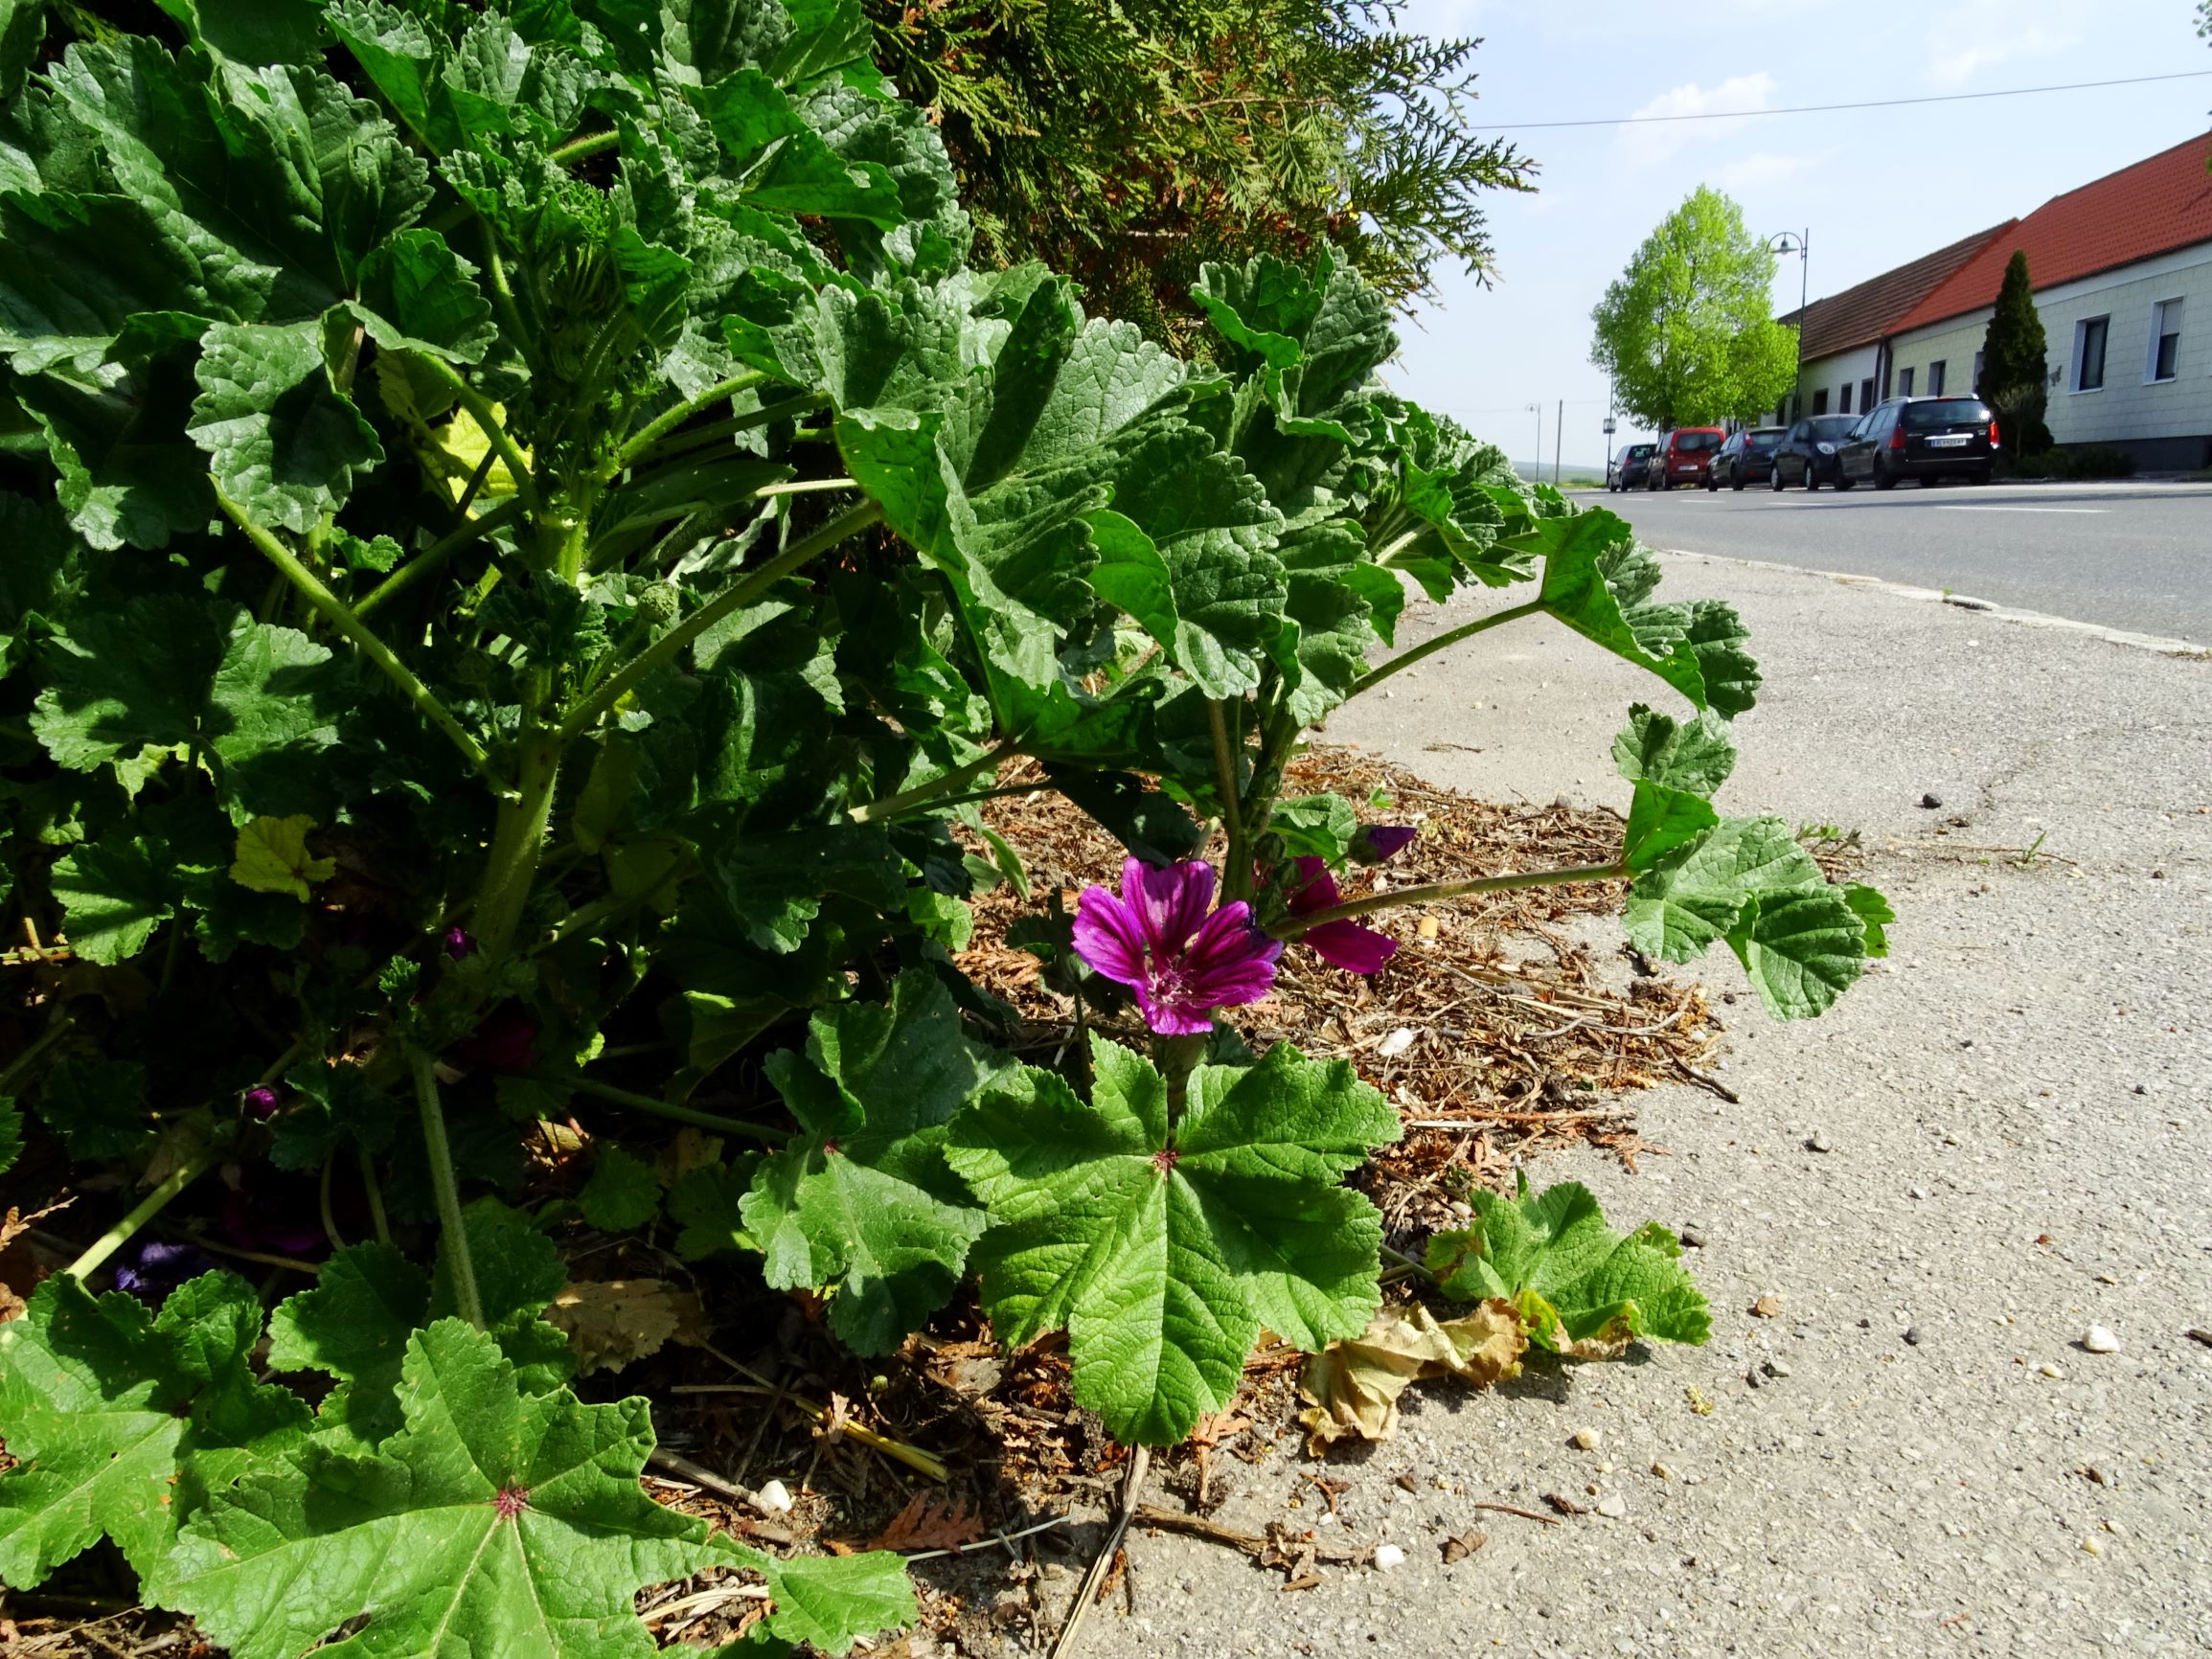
(1746, 457)
(1807, 456)
(1923, 438)
(1684, 456)
(1629, 469)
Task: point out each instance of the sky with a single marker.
(1874, 188)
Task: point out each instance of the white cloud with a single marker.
(1751, 172)
(1968, 37)
(1653, 141)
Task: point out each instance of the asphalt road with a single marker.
(2124, 555)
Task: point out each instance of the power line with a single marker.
(1833, 108)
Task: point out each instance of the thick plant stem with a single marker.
(589, 145)
(1237, 862)
(674, 443)
(1438, 890)
(342, 617)
(445, 1188)
(518, 841)
(148, 1207)
(29, 1057)
(668, 1109)
(378, 1220)
(1443, 642)
(944, 784)
(585, 711)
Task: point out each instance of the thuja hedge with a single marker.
(524, 537)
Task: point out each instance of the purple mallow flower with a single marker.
(261, 1102)
(153, 1267)
(459, 942)
(1158, 940)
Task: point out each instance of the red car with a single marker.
(1684, 456)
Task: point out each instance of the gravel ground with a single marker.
(2021, 1146)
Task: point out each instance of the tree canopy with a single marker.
(1687, 332)
(1128, 144)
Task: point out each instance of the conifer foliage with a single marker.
(2014, 379)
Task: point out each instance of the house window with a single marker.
(1820, 401)
(1935, 378)
(1975, 387)
(1905, 382)
(2089, 336)
(2165, 339)
(1866, 393)
(1843, 405)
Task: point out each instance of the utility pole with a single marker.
(1558, 440)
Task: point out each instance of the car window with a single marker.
(1945, 412)
(1761, 442)
(1693, 442)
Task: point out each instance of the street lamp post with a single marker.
(1536, 409)
(1800, 243)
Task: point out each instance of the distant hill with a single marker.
(1570, 472)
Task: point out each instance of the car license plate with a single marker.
(1950, 441)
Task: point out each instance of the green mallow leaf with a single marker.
(830, 1602)
(97, 1106)
(492, 1521)
(1165, 1252)
(863, 1199)
(1662, 819)
(1582, 1288)
(1746, 880)
(419, 295)
(1315, 826)
(282, 441)
(1874, 915)
(114, 893)
(1692, 755)
(122, 1422)
(1576, 592)
(621, 1193)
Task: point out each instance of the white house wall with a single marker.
(1831, 375)
(2163, 423)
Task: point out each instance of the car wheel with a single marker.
(1736, 484)
(1843, 483)
(1982, 477)
(1883, 477)
(1775, 481)
(1812, 479)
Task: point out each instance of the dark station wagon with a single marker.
(1923, 438)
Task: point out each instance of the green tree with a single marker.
(1130, 144)
(1687, 332)
(2013, 376)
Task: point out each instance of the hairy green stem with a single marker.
(518, 840)
(376, 1195)
(434, 558)
(591, 144)
(347, 622)
(148, 1207)
(662, 425)
(480, 406)
(944, 784)
(1237, 861)
(807, 485)
(1443, 642)
(445, 1188)
(693, 438)
(585, 711)
(668, 1109)
(1438, 890)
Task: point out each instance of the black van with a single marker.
(1924, 437)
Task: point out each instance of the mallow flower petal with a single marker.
(1108, 936)
(1310, 887)
(1380, 841)
(1348, 945)
(1171, 902)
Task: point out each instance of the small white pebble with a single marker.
(1584, 1439)
(1388, 1558)
(773, 1499)
(1612, 1506)
(1396, 1043)
(2049, 1370)
(2099, 1339)
(1663, 1471)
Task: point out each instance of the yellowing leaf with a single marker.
(1352, 1387)
(273, 857)
(463, 443)
(612, 1322)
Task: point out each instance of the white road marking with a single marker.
(2078, 509)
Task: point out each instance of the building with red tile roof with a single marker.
(2122, 272)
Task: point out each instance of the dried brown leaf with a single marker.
(612, 1322)
(929, 1523)
(1352, 1388)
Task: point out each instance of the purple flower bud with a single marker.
(459, 942)
(1380, 841)
(261, 1102)
(152, 1267)
(1157, 939)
